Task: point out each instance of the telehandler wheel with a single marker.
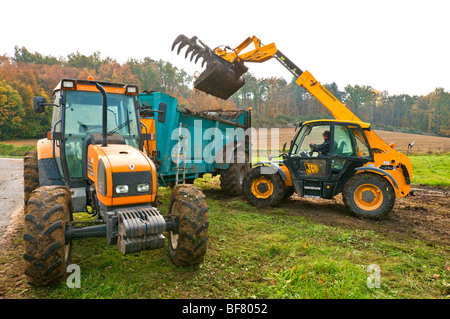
(369, 196)
(30, 174)
(47, 253)
(261, 189)
(188, 245)
(232, 178)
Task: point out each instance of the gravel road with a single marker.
(11, 189)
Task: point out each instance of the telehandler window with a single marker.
(362, 149)
(312, 142)
(342, 145)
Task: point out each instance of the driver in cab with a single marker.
(324, 148)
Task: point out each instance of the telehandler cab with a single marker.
(93, 161)
(368, 172)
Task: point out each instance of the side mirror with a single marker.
(162, 113)
(284, 147)
(39, 104)
(297, 125)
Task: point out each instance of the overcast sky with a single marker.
(392, 45)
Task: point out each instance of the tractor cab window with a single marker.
(313, 141)
(83, 116)
(362, 149)
(342, 144)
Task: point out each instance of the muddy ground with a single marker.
(425, 216)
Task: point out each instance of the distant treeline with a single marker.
(274, 101)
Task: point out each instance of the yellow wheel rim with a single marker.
(368, 197)
(262, 187)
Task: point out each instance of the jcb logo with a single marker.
(311, 168)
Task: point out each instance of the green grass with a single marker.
(263, 253)
(267, 253)
(431, 169)
(8, 150)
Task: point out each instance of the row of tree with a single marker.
(275, 102)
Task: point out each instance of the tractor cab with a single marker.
(324, 154)
(77, 122)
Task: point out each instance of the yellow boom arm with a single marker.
(262, 53)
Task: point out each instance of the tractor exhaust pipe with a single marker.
(221, 78)
(104, 114)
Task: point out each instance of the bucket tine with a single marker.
(180, 38)
(190, 49)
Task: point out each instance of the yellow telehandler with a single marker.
(326, 157)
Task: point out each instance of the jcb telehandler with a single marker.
(353, 160)
(93, 161)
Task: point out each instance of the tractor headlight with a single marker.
(122, 189)
(143, 188)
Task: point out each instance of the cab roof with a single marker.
(363, 125)
(89, 85)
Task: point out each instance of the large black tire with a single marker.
(188, 245)
(369, 196)
(30, 174)
(261, 189)
(47, 254)
(231, 179)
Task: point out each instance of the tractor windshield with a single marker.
(83, 116)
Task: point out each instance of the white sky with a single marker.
(393, 45)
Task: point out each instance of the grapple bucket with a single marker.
(220, 78)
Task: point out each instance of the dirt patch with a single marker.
(13, 283)
(424, 216)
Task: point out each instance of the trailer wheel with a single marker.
(188, 244)
(47, 253)
(232, 178)
(261, 189)
(369, 196)
(30, 174)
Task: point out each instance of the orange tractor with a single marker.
(94, 160)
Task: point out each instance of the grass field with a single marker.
(302, 249)
(259, 253)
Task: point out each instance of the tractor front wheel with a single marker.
(47, 254)
(369, 196)
(263, 189)
(188, 243)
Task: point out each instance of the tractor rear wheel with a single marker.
(369, 196)
(47, 253)
(30, 174)
(263, 189)
(188, 244)
(232, 178)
